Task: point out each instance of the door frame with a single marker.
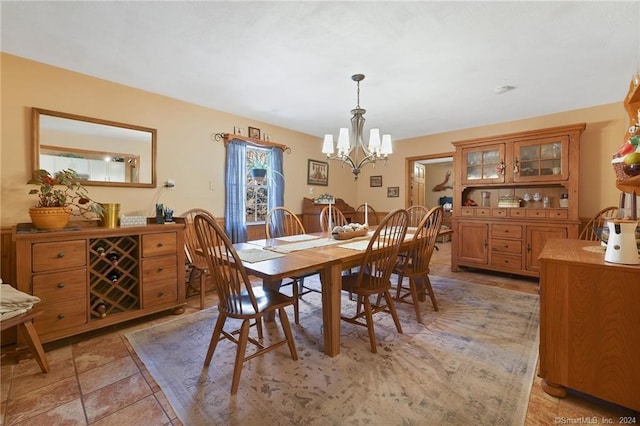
(408, 168)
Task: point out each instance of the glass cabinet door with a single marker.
(483, 164)
(541, 159)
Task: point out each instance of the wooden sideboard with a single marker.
(589, 323)
(89, 277)
(311, 213)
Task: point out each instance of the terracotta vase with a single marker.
(50, 218)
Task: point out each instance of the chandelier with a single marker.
(352, 151)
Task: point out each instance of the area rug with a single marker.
(470, 363)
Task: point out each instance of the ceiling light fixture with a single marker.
(353, 151)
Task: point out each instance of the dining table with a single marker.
(276, 259)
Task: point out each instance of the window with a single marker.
(259, 168)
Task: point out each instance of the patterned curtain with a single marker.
(236, 182)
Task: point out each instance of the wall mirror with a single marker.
(103, 153)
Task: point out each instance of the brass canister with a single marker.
(110, 215)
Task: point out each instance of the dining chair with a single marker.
(337, 218)
(374, 274)
(415, 263)
(597, 222)
(197, 262)
(416, 214)
(237, 299)
(372, 217)
(282, 222)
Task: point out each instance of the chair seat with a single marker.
(266, 299)
(349, 284)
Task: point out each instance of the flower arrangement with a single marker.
(62, 190)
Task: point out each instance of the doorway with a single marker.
(429, 180)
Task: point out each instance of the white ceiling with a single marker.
(430, 66)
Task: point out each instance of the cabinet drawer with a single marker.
(58, 255)
(159, 244)
(506, 261)
(517, 212)
(499, 212)
(61, 286)
(506, 246)
(539, 213)
(506, 231)
(483, 212)
(558, 214)
(467, 211)
(157, 293)
(163, 269)
(61, 315)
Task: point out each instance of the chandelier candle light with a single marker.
(348, 149)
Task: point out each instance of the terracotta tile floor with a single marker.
(97, 379)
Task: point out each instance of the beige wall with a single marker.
(187, 154)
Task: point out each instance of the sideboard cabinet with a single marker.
(90, 277)
(589, 316)
(530, 167)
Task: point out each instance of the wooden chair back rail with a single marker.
(238, 299)
(282, 222)
(416, 214)
(597, 221)
(372, 216)
(197, 261)
(337, 218)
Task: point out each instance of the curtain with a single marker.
(236, 182)
(276, 189)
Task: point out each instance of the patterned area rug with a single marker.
(470, 363)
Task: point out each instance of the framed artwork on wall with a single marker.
(375, 181)
(393, 191)
(317, 173)
(254, 133)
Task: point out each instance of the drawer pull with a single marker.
(161, 294)
(160, 269)
(60, 285)
(506, 231)
(60, 255)
(160, 244)
(506, 246)
(60, 316)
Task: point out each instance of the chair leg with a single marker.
(203, 283)
(286, 327)
(414, 297)
(392, 310)
(215, 337)
(427, 284)
(369, 316)
(399, 286)
(30, 336)
(242, 348)
(296, 301)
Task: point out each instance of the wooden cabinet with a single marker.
(93, 277)
(530, 166)
(589, 334)
(311, 213)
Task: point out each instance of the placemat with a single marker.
(257, 255)
(301, 237)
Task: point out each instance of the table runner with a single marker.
(301, 237)
(302, 245)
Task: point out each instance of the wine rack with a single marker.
(113, 275)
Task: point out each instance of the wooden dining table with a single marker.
(319, 253)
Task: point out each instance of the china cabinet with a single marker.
(89, 277)
(510, 189)
(631, 102)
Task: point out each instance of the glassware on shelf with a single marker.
(537, 197)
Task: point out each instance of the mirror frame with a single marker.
(35, 136)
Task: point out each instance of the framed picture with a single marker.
(237, 130)
(317, 173)
(375, 181)
(254, 133)
(393, 191)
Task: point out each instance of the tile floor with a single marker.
(97, 379)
